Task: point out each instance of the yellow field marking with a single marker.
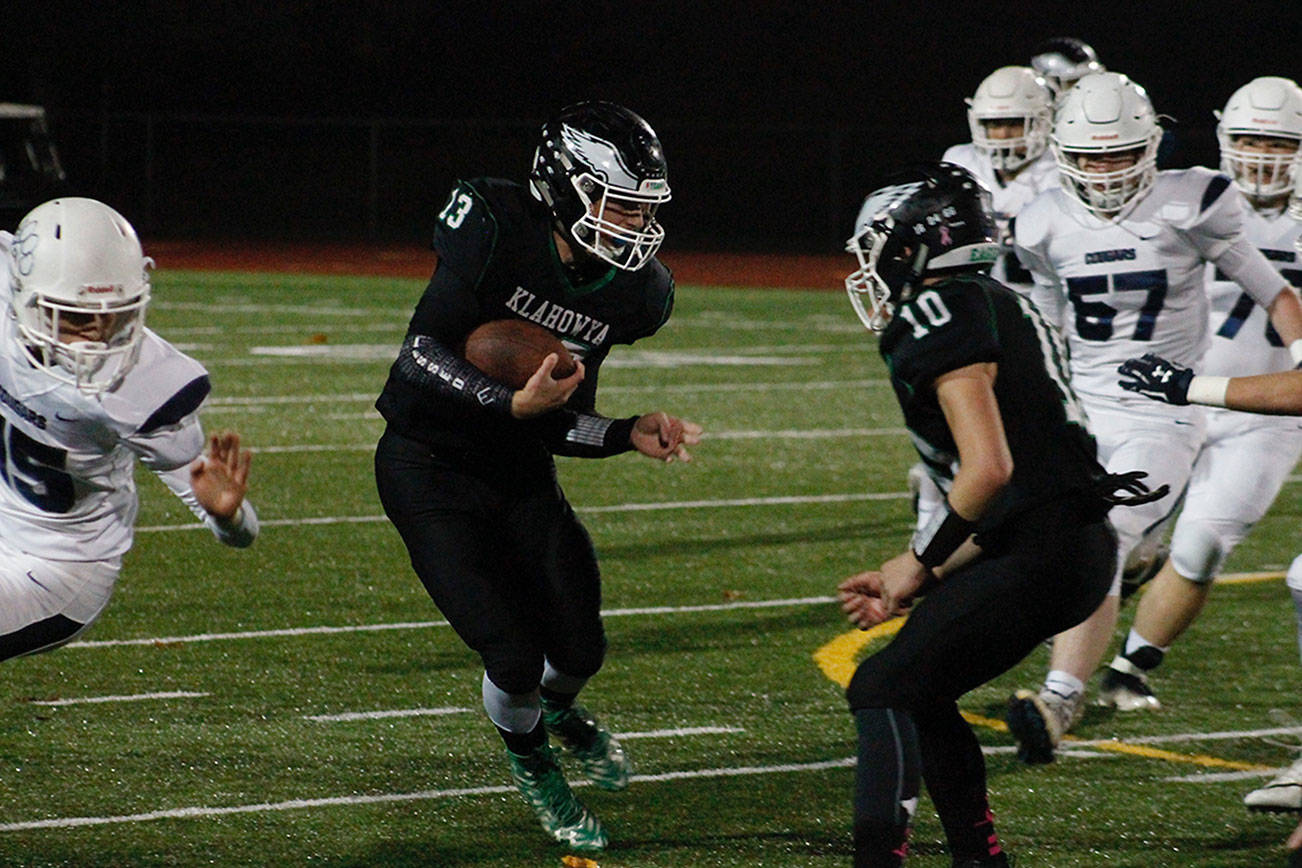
(839, 657)
(1244, 578)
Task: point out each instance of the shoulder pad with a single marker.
(1033, 220)
(659, 295)
(467, 227)
(163, 387)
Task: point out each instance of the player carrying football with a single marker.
(1021, 547)
(85, 389)
(465, 469)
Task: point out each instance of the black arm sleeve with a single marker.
(430, 366)
(585, 435)
(578, 430)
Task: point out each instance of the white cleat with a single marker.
(1283, 794)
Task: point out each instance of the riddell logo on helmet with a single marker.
(100, 288)
(1266, 122)
(1108, 136)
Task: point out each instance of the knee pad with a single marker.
(513, 712)
(1199, 549)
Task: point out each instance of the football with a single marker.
(510, 350)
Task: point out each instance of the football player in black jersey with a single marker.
(464, 468)
(1021, 548)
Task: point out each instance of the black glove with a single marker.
(1154, 377)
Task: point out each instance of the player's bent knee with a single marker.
(513, 673)
(1198, 551)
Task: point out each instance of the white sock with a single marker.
(1064, 684)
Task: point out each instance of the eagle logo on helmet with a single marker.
(600, 155)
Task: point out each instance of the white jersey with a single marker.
(67, 459)
(1120, 289)
(1242, 340)
(67, 488)
(1008, 199)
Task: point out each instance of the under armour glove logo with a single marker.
(1154, 377)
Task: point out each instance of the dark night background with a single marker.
(349, 120)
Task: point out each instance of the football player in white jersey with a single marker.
(1010, 116)
(1245, 459)
(1118, 254)
(85, 389)
(1277, 393)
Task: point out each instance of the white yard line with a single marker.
(1217, 777)
(787, 434)
(232, 401)
(783, 500)
(421, 625)
(198, 812)
(135, 697)
(1202, 736)
(674, 733)
(383, 715)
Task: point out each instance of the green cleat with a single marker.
(602, 757)
(538, 777)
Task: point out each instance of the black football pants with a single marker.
(503, 556)
(978, 623)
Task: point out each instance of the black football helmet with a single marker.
(931, 220)
(1064, 60)
(595, 155)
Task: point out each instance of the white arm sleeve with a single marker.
(239, 533)
(1249, 268)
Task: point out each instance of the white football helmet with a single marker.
(1295, 198)
(1267, 106)
(80, 286)
(1011, 93)
(1105, 115)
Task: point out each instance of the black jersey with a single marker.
(497, 259)
(970, 319)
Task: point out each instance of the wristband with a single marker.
(1209, 391)
(940, 537)
(1295, 352)
(233, 522)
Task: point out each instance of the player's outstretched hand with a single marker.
(542, 394)
(220, 478)
(1154, 377)
(663, 437)
(861, 600)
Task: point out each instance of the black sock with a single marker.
(955, 772)
(1146, 657)
(524, 743)
(886, 786)
(555, 698)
